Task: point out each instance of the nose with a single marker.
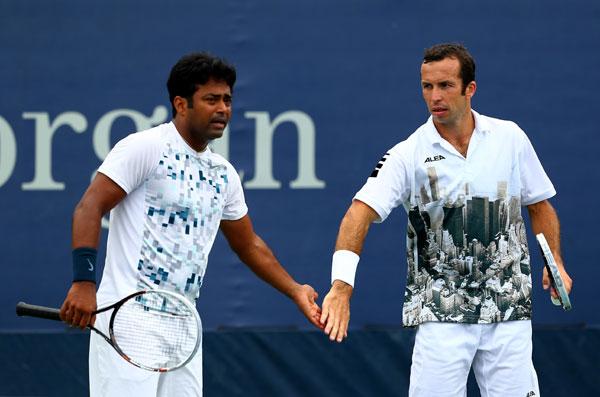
(436, 94)
(223, 107)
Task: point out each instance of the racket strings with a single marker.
(156, 331)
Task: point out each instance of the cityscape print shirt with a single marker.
(467, 254)
(161, 234)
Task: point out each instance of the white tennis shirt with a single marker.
(467, 252)
(161, 234)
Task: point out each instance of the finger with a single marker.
(545, 279)
(324, 312)
(68, 316)
(315, 321)
(85, 320)
(320, 326)
(92, 320)
(334, 330)
(553, 292)
(343, 328)
(346, 323)
(63, 311)
(330, 323)
(76, 319)
(569, 286)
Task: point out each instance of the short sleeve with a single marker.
(235, 206)
(388, 186)
(535, 184)
(131, 160)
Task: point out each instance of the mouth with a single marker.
(218, 123)
(438, 111)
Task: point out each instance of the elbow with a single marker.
(85, 210)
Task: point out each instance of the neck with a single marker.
(458, 134)
(183, 129)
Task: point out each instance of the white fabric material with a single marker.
(160, 235)
(111, 376)
(343, 266)
(499, 353)
(468, 260)
(498, 150)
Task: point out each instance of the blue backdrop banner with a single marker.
(324, 89)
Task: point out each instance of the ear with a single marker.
(181, 105)
(471, 88)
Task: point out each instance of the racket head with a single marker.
(156, 330)
(554, 274)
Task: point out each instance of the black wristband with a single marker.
(84, 264)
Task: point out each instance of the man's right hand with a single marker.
(336, 311)
(79, 305)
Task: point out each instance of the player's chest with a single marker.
(482, 171)
(188, 183)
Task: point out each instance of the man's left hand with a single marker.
(546, 283)
(305, 297)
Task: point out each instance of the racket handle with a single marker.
(49, 313)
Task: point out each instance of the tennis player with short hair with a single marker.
(169, 194)
(462, 178)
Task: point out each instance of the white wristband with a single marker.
(343, 266)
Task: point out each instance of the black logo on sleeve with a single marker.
(434, 158)
(379, 165)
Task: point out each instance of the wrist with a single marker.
(342, 287)
(84, 264)
(343, 267)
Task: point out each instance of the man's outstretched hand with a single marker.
(336, 311)
(305, 298)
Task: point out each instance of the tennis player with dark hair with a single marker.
(462, 178)
(169, 194)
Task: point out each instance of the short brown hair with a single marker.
(457, 51)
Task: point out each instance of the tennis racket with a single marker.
(555, 277)
(155, 330)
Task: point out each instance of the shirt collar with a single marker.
(186, 146)
(481, 126)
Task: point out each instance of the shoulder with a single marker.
(407, 147)
(505, 130)
(152, 137)
(500, 125)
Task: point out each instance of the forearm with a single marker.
(86, 226)
(261, 260)
(545, 220)
(354, 227)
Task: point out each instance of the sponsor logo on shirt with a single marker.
(434, 158)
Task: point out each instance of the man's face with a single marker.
(442, 90)
(210, 111)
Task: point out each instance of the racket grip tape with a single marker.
(49, 313)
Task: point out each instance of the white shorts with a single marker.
(112, 376)
(500, 354)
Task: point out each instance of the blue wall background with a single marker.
(353, 68)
